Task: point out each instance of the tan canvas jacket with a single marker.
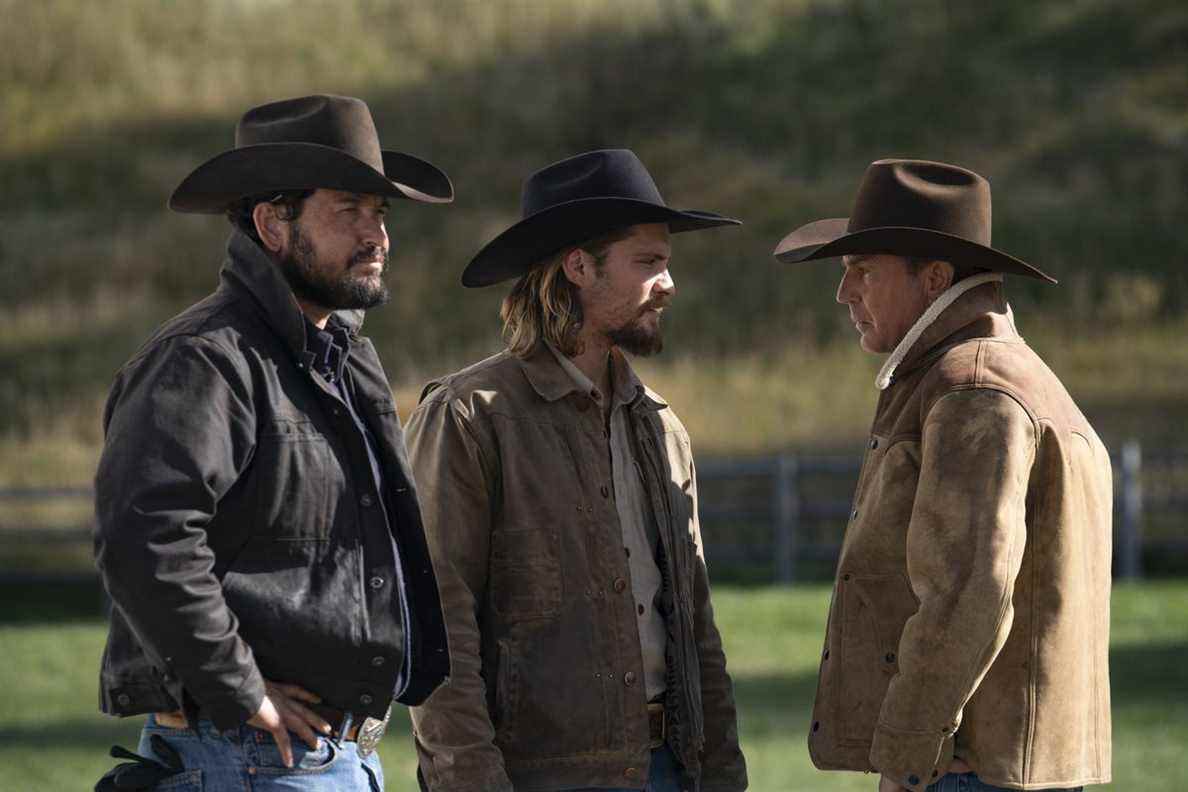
(970, 612)
(547, 689)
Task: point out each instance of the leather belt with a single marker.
(657, 726)
(343, 726)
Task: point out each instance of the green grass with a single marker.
(52, 738)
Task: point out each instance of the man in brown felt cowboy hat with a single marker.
(561, 506)
(258, 528)
(968, 633)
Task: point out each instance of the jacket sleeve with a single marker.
(454, 734)
(179, 430)
(723, 766)
(964, 548)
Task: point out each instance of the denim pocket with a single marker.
(186, 781)
(306, 760)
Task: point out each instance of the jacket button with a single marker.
(377, 582)
(874, 443)
(123, 699)
(913, 780)
(620, 585)
(377, 661)
(890, 657)
(605, 491)
(854, 514)
(629, 678)
(365, 699)
(367, 500)
(816, 726)
(825, 655)
(630, 772)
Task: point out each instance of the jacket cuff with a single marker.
(913, 759)
(233, 709)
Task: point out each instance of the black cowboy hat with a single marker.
(308, 142)
(574, 200)
(912, 208)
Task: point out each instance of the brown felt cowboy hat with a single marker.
(306, 143)
(912, 208)
(574, 200)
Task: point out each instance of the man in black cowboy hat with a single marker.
(258, 528)
(560, 503)
(967, 645)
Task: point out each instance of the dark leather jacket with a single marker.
(232, 497)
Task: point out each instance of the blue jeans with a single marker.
(969, 782)
(664, 776)
(247, 759)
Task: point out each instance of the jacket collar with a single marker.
(551, 381)
(248, 267)
(981, 312)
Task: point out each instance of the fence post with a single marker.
(1130, 528)
(786, 508)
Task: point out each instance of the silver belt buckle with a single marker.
(371, 731)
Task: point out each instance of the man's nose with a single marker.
(665, 284)
(845, 289)
(374, 231)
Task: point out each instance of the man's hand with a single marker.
(282, 711)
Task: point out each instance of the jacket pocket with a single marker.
(525, 580)
(506, 690)
(874, 610)
(292, 466)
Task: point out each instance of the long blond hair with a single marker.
(544, 305)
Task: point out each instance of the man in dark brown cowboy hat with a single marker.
(258, 528)
(968, 634)
(561, 507)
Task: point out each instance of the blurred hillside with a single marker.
(1077, 112)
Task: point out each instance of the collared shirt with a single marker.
(329, 349)
(640, 535)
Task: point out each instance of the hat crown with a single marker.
(610, 173)
(340, 122)
(921, 194)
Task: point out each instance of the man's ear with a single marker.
(269, 226)
(578, 266)
(938, 277)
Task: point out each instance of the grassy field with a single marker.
(51, 737)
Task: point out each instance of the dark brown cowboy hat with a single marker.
(304, 143)
(912, 208)
(574, 200)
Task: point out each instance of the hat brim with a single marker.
(275, 167)
(829, 238)
(523, 246)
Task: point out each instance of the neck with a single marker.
(315, 313)
(594, 361)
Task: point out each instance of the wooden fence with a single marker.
(778, 512)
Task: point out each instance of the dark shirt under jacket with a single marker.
(328, 350)
(253, 523)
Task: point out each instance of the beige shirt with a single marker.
(640, 536)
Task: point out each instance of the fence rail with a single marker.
(791, 521)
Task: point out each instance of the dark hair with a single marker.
(288, 203)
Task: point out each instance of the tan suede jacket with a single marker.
(547, 689)
(970, 613)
